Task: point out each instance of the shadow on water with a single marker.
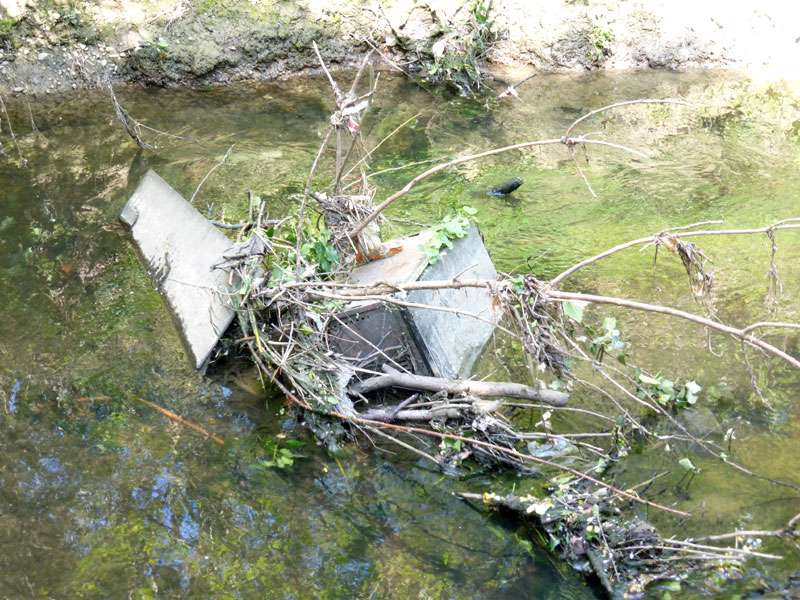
(103, 497)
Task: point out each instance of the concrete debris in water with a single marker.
(179, 248)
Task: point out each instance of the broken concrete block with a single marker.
(178, 247)
(454, 341)
(420, 340)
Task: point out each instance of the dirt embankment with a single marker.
(51, 45)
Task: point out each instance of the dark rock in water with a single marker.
(506, 188)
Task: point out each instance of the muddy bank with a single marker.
(53, 45)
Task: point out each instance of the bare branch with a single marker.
(618, 104)
(582, 140)
(336, 91)
(578, 166)
(649, 240)
(394, 378)
(510, 452)
(433, 170)
(737, 333)
(306, 191)
(214, 168)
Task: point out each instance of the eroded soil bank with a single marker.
(49, 46)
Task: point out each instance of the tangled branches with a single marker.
(296, 300)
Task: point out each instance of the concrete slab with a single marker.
(178, 246)
(425, 341)
(454, 341)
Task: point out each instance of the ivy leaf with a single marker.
(574, 309)
(648, 380)
(692, 389)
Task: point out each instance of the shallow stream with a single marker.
(103, 497)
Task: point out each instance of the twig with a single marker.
(336, 91)
(582, 140)
(703, 550)
(737, 333)
(649, 240)
(753, 379)
(578, 166)
(182, 421)
(306, 191)
(379, 144)
(433, 170)
(618, 104)
(510, 452)
(214, 168)
(754, 326)
(402, 444)
(351, 93)
(133, 127)
(407, 166)
(783, 531)
(11, 131)
(512, 89)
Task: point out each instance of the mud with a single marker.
(53, 45)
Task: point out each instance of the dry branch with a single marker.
(653, 239)
(214, 168)
(566, 140)
(182, 421)
(491, 389)
(673, 312)
(516, 454)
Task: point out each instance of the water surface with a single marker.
(104, 497)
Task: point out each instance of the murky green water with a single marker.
(106, 498)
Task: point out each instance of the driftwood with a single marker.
(387, 415)
(394, 378)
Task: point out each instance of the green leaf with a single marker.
(687, 465)
(648, 380)
(692, 389)
(574, 309)
(609, 324)
(667, 387)
(468, 210)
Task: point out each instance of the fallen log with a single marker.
(394, 378)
